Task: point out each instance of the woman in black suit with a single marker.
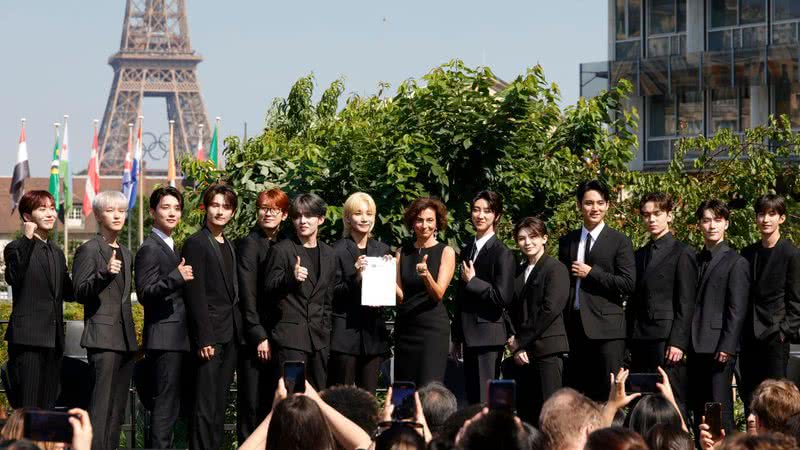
(359, 339)
(424, 270)
(541, 291)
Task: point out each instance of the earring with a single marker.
(436, 234)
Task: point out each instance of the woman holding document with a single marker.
(359, 338)
(424, 270)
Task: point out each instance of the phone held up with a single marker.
(294, 377)
(405, 406)
(502, 396)
(47, 426)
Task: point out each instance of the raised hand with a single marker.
(28, 228)
(186, 271)
(114, 265)
(300, 272)
(422, 268)
(467, 271)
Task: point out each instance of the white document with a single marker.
(378, 282)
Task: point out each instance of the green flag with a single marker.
(212, 151)
(64, 173)
(54, 170)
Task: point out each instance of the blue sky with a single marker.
(55, 55)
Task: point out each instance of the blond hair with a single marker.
(352, 203)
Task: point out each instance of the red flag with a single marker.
(92, 178)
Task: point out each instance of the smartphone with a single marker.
(713, 415)
(503, 395)
(294, 376)
(642, 382)
(47, 426)
(405, 406)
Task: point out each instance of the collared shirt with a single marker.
(480, 243)
(655, 247)
(705, 257)
(582, 251)
(167, 239)
(528, 271)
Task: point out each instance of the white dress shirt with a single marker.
(167, 239)
(581, 256)
(480, 243)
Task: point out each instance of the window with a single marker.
(786, 9)
(690, 113)
(670, 118)
(629, 25)
(729, 108)
(666, 28)
(662, 116)
(785, 19)
(737, 24)
(662, 17)
(76, 213)
(787, 101)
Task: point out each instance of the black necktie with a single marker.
(588, 248)
(473, 251)
(649, 255)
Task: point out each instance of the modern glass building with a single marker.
(698, 66)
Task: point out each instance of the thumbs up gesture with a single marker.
(185, 271)
(114, 265)
(300, 272)
(422, 268)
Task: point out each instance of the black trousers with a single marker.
(316, 364)
(760, 360)
(360, 370)
(481, 364)
(214, 378)
(711, 381)
(536, 382)
(648, 355)
(168, 378)
(256, 382)
(590, 361)
(111, 380)
(35, 374)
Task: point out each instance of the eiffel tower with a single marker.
(155, 59)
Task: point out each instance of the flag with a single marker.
(136, 169)
(54, 167)
(171, 162)
(201, 154)
(92, 179)
(128, 185)
(21, 170)
(212, 150)
(64, 172)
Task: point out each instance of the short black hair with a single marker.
(716, 206)
(662, 200)
(770, 202)
(493, 199)
(222, 189)
(164, 191)
(355, 403)
(592, 185)
(307, 203)
(497, 429)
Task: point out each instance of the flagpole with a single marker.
(55, 226)
(219, 149)
(171, 163)
(66, 209)
(141, 188)
(128, 216)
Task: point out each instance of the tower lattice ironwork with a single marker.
(155, 59)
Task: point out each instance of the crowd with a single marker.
(215, 309)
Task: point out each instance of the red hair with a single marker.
(275, 197)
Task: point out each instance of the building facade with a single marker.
(698, 66)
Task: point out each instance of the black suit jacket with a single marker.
(537, 310)
(159, 287)
(211, 297)
(661, 308)
(611, 280)
(356, 329)
(721, 303)
(302, 310)
(775, 297)
(252, 251)
(37, 317)
(103, 308)
(480, 318)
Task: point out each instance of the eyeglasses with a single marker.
(271, 211)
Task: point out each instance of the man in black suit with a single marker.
(603, 274)
(773, 317)
(484, 292)
(660, 310)
(101, 274)
(257, 372)
(160, 277)
(721, 305)
(300, 282)
(214, 317)
(37, 272)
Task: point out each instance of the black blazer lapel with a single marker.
(776, 258)
(573, 246)
(307, 286)
(723, 253)
(664, 256)
(171, 254)
(324, 260)
(218, 254)
(597, 246)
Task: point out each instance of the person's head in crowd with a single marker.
(14, 430)
(665, 437)
(438, 403)
(110, 209)
(448, 431)
(38, 207)
(713, 216)
(650, 410)
(619, 418)
(774, 402)
(792, 427)
(486, 208)
(19, 444)
(400, 436)
(567, 418)
(425, 217)
(530, 233)
(535, 437)
(308, 213)
(770, 213)
(298, 424)
(767, 441)
(495, 429)
(220, 202)
(272, 209)
(166, 208)
(656, 211)
(593, 197)
(615, 438)
(358, 214)
(356, 404)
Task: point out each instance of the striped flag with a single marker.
(171, 162)
(201, 153)
(92, 178)
(128, 186)
(136, 169)
(21, 171)
(212, 150)
(64, 172)
(54, 187)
